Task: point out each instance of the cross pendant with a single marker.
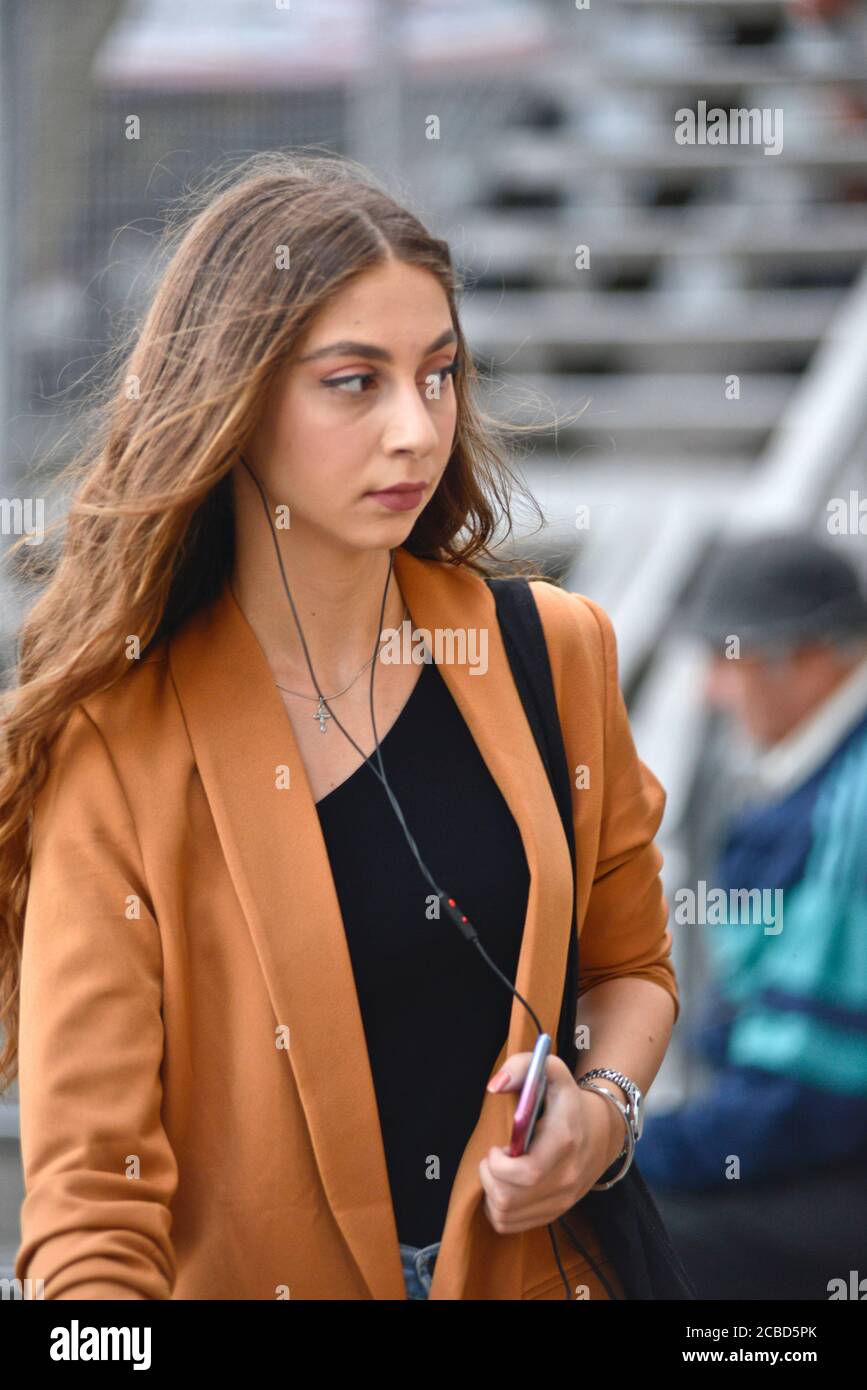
(321, 713)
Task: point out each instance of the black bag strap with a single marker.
(625, 1216)
(527, 650)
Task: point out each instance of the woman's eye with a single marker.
(343, 380)
(449, 371)
(346, 383)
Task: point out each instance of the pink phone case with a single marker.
(531, 1098)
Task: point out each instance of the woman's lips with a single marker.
(399, 501)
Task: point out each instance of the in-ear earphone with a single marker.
(449, 903)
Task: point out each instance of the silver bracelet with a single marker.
(628, 1147)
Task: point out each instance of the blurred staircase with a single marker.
(702, 262)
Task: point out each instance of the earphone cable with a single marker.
(459, 919)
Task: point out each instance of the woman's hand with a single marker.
(576, 1139)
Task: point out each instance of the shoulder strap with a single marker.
(524, 640)
(625, 1216)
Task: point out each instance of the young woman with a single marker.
(252, 1048)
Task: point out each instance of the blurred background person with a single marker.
(763, 1179)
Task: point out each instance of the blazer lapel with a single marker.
(276, 856)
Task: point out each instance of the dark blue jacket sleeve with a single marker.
(772, 1124)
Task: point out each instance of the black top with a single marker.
(435, 1014)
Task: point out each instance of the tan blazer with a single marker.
(198, 1117)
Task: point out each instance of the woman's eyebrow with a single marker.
(348, 348)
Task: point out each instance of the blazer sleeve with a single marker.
(99, 1172)
(624, 932)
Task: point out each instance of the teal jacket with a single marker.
(784, 1022)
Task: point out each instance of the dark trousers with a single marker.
(784, 1238)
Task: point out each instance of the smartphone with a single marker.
(531, 1098)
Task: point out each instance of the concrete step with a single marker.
(546, 326)
(540, 244)
(663, 405)
(525, 159)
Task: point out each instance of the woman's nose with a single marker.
(411, 425)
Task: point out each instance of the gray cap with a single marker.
(775, 590)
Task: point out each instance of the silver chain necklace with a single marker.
(321, 713)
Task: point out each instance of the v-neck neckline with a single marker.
(382, 742)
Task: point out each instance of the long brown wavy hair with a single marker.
(148, 533)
